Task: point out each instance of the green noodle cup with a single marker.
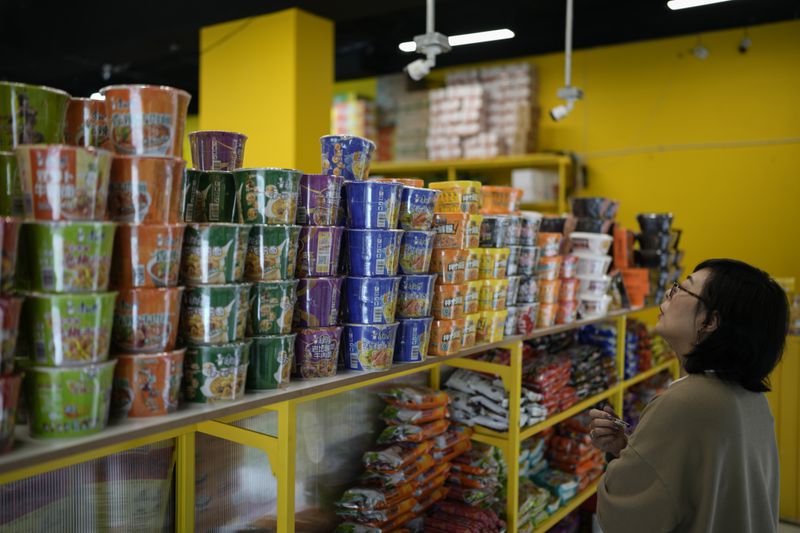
(213, 253)
(215, 314)
(271, 252)
(69, 401)
(12, 199)
(60, 330)
(270, 362)
(215, 373)
(33, 114)
(66, 257)
(267, 195)
(272, 307)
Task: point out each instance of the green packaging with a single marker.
(214, 314)
(270, 361)
(214, 373)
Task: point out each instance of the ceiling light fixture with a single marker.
(684, 4)
(466, 38)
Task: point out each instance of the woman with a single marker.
(703, 458)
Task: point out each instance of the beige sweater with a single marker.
(702, 460)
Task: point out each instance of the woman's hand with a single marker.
(606, 435)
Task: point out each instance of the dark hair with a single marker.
(752, 311)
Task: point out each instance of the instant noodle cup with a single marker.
(70, 401)
(472, 296)
(67, 329)
(267, 195)
(66, 256)
(494, 263)
(568, 291)
(446, 336)
(10, 388)
(318, 251)
(491, 326)
(568, 267)
(450, 265)
(147, 255)
(217, 150)
(513, 289)
(319, 200)
(31, 114)
(549, 267)
(147, 384)
(553, 224)
(10, 311)
(495, 231)
(407, 182)
(458, 196)
(63, 182)
(529, 227)
(474, 231)
(548, 291)
(510, 327)
(146, 119)
(270, 365)
(448, 301)
(348, 156)
(547, 315)
(211, 196)
(215, 314)
(374, 252)
(9, 230)
(473, 266)
(86, 123)
(499, 200)
(371, 300)
(271, 308)
(598, 285)
(416, 208)
(451, 230)
(528, 290)
(528, 261)
(595, 207)
(493, 295)
(146, 189)
(469, 335)
(146, 320)
(549, 243)
(317, 302)
(271, 252)
(213, 253)
(316, 351)
(514, 230)
(369, 347)
(415, 252)
(415, 295)
(12, 198)
(567, 312)
(413, 336)
(373, 204)
(593, 243)
(527, 318)
(215, 373)
(592, 265)
(593, 306)
(513, 260)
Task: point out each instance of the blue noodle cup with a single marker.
(416, 208)
(415, 252)
(370, 347)
(373, 252)
(415, 296)
(371, 300)
(373, 204)
(413, 335)
(347, 156)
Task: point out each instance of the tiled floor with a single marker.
(788, 528)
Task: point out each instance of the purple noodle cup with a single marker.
(317, 302)
(217, 150)
(373, 204)
(348, 156)
(319, 201)
(374, 253)
(371, 300)
(318, 251)
(316, 352)
(413, 335)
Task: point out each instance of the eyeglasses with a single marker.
(678, 287)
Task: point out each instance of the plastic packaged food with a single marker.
(446, 336)
(147, 384)
(567, 312)
(210, 196)
(472, 296)
(529, 227)
(371, 300)
(272, 306)
(214, 253)
(348, 156)
(528, 290)
(369, 347)
(450, 265)
(568, 267)
(493, 295)
(469, 335)
(510, 327)
(316, 351)
(271, 252)
(593, 243)
(46, 104)
(549, 243)
(267, 195)
(215, 372)
(528, 260)
(416, 208)
(448, 301)
(415, 252)
(374, 252)
(317, 302)
(495, 231)
(596, 285)
(549, 267)
(318, 251)
(473, 265)
(458, 196)
(146, 190)
(452, 230)
(147, 255)
(513, 260)
(592, 265)
(474, 231)
(568, 291)
(412, 432)
(413, 336)
(548, 291)
(593, 306)
(319, 200)
(373, 204)
(397, 415)
(527, 318)
(494, 263)
(491, 326)
(217, 150)
(215, 313)
(365, 498)
(415, 295)
(414, 397)
(499, 200)
(397, 457)
(10, 313)
(513, 289)
(270, 362)
(547, 315)
(407, 182)
(146, 320)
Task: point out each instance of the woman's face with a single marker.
(679, 322)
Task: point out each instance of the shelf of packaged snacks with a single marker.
(543, 332)
(672, 365)
(571, 505)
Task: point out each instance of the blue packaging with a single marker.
(415, 252)
(373, 204)
(412, 340)
(415, 296)
(373, 252)
(369, 347)
(348, 156)
(371, 300)
(416, 208)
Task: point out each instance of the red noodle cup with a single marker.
(147, 256)
(146, 190)
(86, 123)
(569, 290)
(567, 312)
(527, 318)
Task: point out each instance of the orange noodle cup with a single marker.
(146, 190)
(146, 320)
(147, 256)
(86, 123)
(450, 265)
(147, 384)
(446, 336)
(448, 301)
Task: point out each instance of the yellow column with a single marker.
(271, 78)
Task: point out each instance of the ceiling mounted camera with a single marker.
(568, 93)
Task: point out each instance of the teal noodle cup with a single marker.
(267, 195)
(210, 196)
(270, 361)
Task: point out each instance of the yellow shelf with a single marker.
(430, 167)
(638, 378)
(573, 504)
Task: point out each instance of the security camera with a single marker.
(559, 112)
(745, 44)
(418, 69)
(570, 95)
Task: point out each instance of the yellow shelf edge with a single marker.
(572, 411)
(573, 504)
(638, 378)
(507, 162)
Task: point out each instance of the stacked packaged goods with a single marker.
(353, 114)
(407, 476)
(659, 253)
(525, 287)
(456, 261)
(547, 369)
(548, 269)
(570, 450)
(455, 112)
(592, 370)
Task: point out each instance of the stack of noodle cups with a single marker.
(456, 261)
